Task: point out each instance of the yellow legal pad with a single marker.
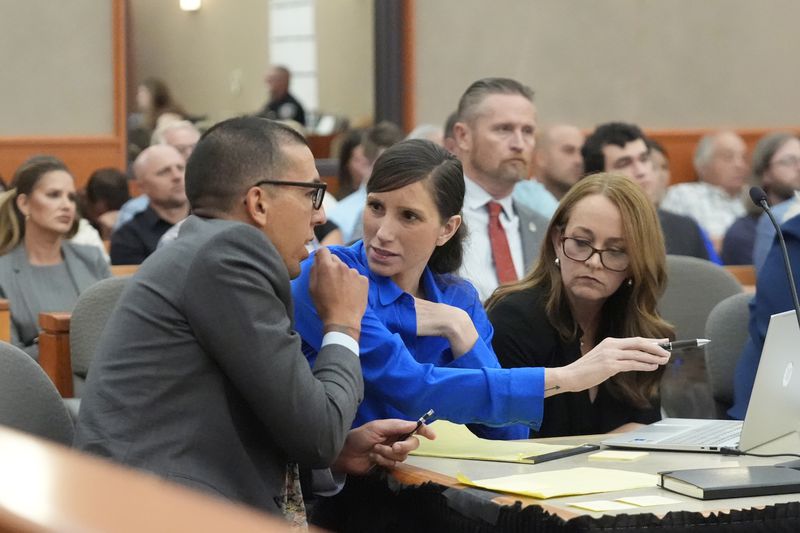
(456, 441)
(569, 482)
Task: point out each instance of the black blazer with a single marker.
(523, 337)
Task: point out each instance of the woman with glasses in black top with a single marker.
(600, 274)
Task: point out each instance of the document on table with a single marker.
(568, 482)
(458, 442)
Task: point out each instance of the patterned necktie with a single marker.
(294, 510)
(501, 253)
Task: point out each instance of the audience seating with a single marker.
(694, 287)
(28, 400)
(727, 328)
(67, 341)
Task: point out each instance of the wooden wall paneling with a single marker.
(681, 143)
(82, 154)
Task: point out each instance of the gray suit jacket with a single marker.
(85, 265)
(532, 230)
(199, 376)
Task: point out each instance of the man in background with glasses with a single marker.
(199, 376)
(776, 167)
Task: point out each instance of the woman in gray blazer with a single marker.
(40, 270)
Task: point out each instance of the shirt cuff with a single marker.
(342, 339)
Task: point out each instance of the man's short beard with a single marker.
(781, 191)
(501, 174)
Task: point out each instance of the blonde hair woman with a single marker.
(39, 269)
(600, 274)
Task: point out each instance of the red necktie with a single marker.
(501, 253)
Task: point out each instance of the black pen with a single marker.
(680, 345)
(569, 452)
(421, 421)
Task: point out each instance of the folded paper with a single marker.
(569, 482)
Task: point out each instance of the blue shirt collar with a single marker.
(389, 291)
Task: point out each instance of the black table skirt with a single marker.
(379, 503)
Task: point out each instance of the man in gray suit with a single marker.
(494, 139)
(199, 376)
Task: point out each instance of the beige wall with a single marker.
(660, 63)
(56, 60)
(201, 54)
(346, 57)
(198, 54)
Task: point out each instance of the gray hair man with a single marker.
(717, 199)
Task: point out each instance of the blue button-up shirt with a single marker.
(405, 375)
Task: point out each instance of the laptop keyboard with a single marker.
(709, 435)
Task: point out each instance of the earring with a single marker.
(630, 282)
(558, 263)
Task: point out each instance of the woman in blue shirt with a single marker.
(425, 341)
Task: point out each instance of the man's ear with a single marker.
(463, 136)
(257, 205)
(448, 230)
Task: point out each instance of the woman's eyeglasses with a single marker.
(581, 250)
(788, 161)
(319, 189)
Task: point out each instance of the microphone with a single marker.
(759, 197)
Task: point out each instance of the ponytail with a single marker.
(11, 224)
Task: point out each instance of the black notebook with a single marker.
(737, 482)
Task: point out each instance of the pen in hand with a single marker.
(680, 345)
(421, 421)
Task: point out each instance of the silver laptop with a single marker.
(774, 409)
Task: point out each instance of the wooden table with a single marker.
(47, 487)
(423, 495)
(421, 469)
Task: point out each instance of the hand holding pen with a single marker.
(421, 421)
(376, 443)
(684, 344)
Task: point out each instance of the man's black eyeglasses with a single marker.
(319, 189)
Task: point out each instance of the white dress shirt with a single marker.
(711, 206)
(478, 265)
